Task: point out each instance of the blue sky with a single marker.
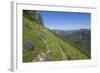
(66, 20)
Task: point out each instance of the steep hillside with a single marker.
(80, 39)
(40, 44)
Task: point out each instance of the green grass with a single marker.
(31, 30)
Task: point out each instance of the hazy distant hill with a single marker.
(41, 44)
(63, 32)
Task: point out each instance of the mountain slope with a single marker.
(40, 44)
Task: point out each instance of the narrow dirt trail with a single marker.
(64, 56)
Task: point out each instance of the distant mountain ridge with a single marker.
(69, 31)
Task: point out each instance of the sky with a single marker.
(66, 20)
